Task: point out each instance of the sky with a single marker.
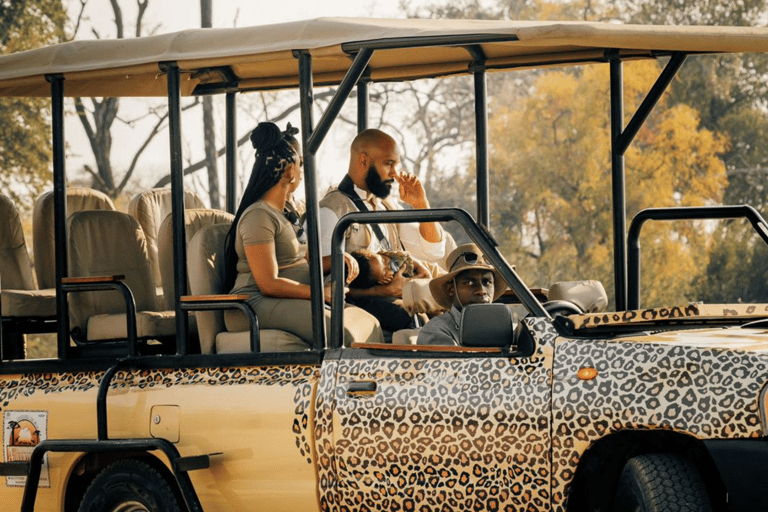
(163, 16)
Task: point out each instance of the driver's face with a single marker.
(473, 286)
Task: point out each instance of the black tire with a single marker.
(129, 486)
(661, 482)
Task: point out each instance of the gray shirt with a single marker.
(441, 330)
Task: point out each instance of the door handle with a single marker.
(364, 387)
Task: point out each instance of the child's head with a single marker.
(375, 269)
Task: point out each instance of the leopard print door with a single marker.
(442, 433)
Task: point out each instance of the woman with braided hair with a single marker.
(264, 257)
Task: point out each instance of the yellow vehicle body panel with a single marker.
(253, 420)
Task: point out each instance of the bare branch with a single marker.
(118, 18)
(142, 5)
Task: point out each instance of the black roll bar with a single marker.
(231, 148)
(60, 208)
(689, 213)
(173, 76)
(475, 232)
(306, 100)
(621, 138)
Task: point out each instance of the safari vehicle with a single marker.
(638, 409)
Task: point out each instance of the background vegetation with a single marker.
(549, 133)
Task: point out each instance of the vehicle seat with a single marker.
(590, 295)
(43, 236)
(107, 243)
(205, 257)
(20, 300)
(194, 220)
(150, 208)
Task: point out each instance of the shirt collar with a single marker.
(367, 196)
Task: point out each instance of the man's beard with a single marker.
(376, 185)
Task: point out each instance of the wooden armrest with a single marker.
(92, 279)
(213, 298)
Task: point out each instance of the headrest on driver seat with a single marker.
(589, 295)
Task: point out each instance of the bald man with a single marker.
(373, 164)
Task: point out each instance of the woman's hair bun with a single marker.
(266, 136)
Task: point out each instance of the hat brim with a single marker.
(437, 285)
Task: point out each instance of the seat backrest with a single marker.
(589, 295)
(194, 220)
(105, 243)
(15, 265)
(150, 208)
(205, 263)
(43, 237)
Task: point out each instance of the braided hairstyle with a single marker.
(275, 150)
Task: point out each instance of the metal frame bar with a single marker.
(617, 182)
(60, 209)
(621, 138)
(481, 145)
(356, 70)
(173, 76)
(691, 213)
(200, 304)
(306, 100)
(130, 305)
(475, 232)
(231, 141)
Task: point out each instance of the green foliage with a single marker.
(24, 123)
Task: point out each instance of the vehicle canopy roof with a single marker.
(263, 57)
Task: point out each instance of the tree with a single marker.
(209, 132)
(25, 141)
(551, 180)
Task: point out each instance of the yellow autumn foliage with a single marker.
(551, 181)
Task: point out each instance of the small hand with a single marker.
(395, 286)
(353, 269)
(411, 190)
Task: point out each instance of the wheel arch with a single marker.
(596, 477)
(90, 464)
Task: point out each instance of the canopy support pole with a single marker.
(621, 138)
(59, 208)
(306, 100)
(177, 197)
(617, 175)
(231, 164)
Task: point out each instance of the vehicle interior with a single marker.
(156, 303)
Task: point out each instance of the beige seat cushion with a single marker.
(29, 303)
(194, 219)
(15, 265)
(205, 267)
(106, 243)
(43, 237)
(148, 324)
(270, 340)
(150, 208)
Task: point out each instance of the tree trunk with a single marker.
(209, 133)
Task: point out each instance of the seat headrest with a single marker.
(589, 295)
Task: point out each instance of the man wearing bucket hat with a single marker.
(470, 280)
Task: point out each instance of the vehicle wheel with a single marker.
(661, 482)
(129, 486)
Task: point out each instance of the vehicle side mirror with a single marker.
(486, 325)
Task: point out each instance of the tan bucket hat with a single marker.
(464, 257)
